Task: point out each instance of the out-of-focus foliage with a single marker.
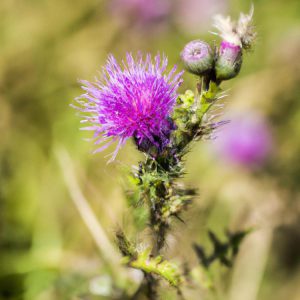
(46, 252)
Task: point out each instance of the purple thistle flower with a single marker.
(229, 61)
(134, 99)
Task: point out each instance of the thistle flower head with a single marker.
(229, 61)
(240, 33)
(197, 57)
(133, 99)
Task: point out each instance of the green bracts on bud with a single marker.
(198, 57)
(229, 61)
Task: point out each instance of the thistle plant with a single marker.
(138, 99)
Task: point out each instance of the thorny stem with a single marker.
(152, 285)
(161, 238)
(165, 187)
(148, 287)
(158, 226)
(158, 223)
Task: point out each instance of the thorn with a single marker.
(178, 218)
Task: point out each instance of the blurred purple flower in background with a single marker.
(141, 12)
(246, 140)
(134, 99)
(194, 16)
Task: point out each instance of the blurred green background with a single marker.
(46, 251)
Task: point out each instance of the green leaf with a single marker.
(224, 252)
(187, 99)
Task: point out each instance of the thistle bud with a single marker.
(198, 57)
(229, 61)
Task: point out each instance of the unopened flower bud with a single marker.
(198, 57)
(229, 61)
